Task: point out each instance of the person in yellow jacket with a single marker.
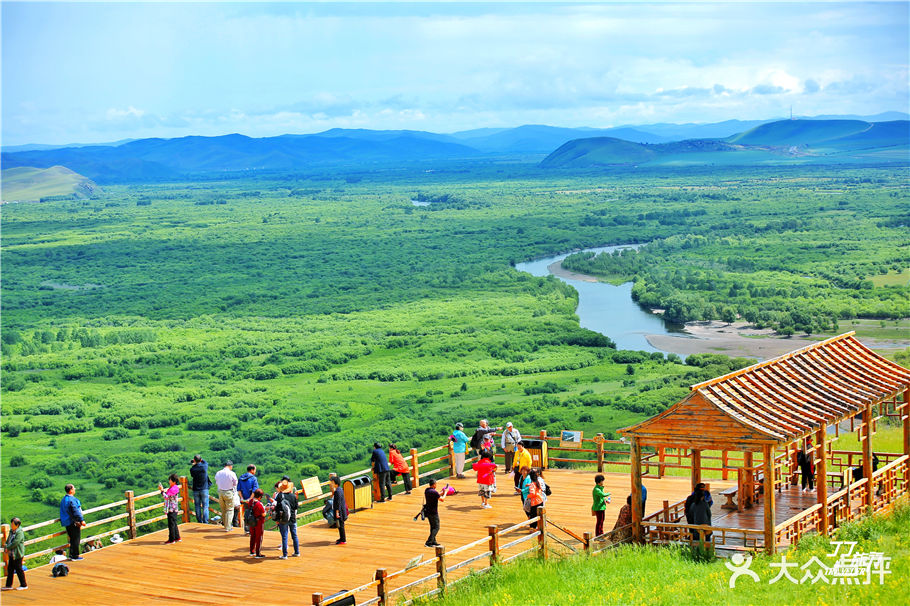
(522, 459)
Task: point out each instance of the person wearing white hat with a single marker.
(510, 439)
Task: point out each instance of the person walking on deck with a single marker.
(226, 481)
(486, 478)
(287, 496)
(432, 497)
(400, 467)
(599, 507)
(510, 439)
(171, 507)
(339, 508)
(199, 472)
(15, 551)
(258, 527)
(71, 518)
(380, 464)
(459, 448)
(246, 486)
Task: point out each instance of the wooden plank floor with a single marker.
(787, 503)
(211, 566)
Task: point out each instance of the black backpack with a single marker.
(281, 513)
(477, 439)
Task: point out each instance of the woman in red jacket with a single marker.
(486, 478)
(399, 466)
(258, 526)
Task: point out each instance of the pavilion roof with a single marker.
(778, 400)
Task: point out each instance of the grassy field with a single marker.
(647, 575)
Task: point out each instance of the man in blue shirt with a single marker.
(71, 519)
(246, 486)
(380, 465)
(201, 483)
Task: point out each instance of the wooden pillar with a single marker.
(494, 545)
(905, 417)
(635, 453)
(794, 465)
(382, 591)
(695, 472)
(724, 461)
(131, 513)
(441, 580)
(661, 454)
(867, 455)
(768, 451)
(185, 497)
(748, 479)
(415, 468)
(4, 534)
(452, 458)
(600, 452)
(589, 542)
(317, 599)
(542, 528)
(821, 477)
(543, 447)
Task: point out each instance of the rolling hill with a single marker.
(804, 141)
(26, 184)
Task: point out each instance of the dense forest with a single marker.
(291, 321)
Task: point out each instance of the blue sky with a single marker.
(101, 72)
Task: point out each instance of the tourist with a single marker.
(644, 498)
(256, 530)
(199, 472)
(58, 567)
(172, 508)
(480, 433)
(805, 462)
(701, 487)
(246, 486)
(488, 445)
(288, 495)
(510, 439)
(535, 495)
(459, 447)
(700, 512)
(71, 518)
(339, 508)
(15, 551)
(400, 467)
(431, 511)
(522, 460)
(623, 522)
(486, 478)
(380, 465)
(599, 508)
(226, 481)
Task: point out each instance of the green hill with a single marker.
(27, 184)
(800, 132)
(598, 151)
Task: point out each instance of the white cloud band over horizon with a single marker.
(102, 72)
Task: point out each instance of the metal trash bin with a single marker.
(358, 493)
(538, 451)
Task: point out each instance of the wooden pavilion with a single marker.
(776, 408)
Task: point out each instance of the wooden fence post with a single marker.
(589, 542)
(185, 496)
(494, 545)
(724, 461)
(4, 533)
(317, 599)
(661, 453)
(600, 452)
(452, 458)
(667, 512)
(131, 513)
(441, 580)
(542, 527)
(381, 589)
(415, 468)
(543, 448)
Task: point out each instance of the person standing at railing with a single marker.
(623, 522)
(700, 512)
(15, 551)
(226, 481)
(806, 472)
(400, 467)
(380, 464)
(339, 508)
(486, 478)
(71, 518)
(599, 508)
(522, 460)
(287, 495)
(510, 439)
(258, 527)
(172, 508)
(459, 447)
(201, 484)
(247, 485)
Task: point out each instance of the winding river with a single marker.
(606, 308)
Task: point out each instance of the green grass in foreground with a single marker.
(648, 575)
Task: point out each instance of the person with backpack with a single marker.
(400, 467)
(534, 497)
(71, 518)
(486, 478)
(510, 439)
(459, 447)
(199, 472)
(171, 496)
(339, 508)
(258, 528)
(480, 433)
(380, 464)
(15, 550)
(285, 513)
(246, 485)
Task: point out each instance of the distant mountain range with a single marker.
(784, 141)
(164, 159)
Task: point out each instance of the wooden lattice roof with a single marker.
(779, 400)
